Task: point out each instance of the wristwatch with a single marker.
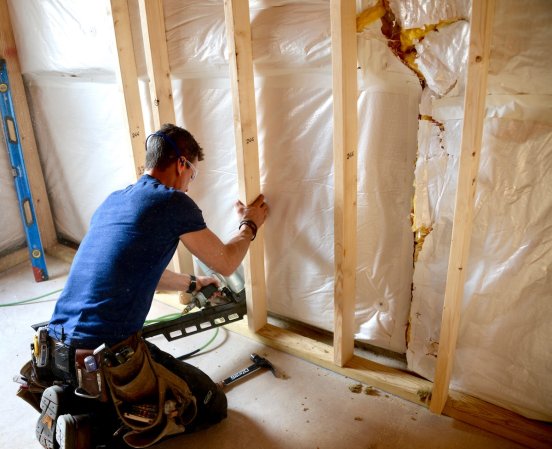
(192, 286)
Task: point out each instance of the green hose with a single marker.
(170, 316)
(25, 301)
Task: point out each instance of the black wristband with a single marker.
(251, 225)
(192, 286)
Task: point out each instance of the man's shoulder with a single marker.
(154, 191)
(148, 188)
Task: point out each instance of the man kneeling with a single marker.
(97, 320)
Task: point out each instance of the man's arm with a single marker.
(224, 258)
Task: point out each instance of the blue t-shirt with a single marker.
(132, 237)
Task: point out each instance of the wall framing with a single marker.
(128, 81)
(157, 61)
(403, 384)
(481, 25)
(340, 358)
(238, 32)
(345, 138)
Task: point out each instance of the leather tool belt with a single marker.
(151, 400)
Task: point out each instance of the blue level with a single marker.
(26, 207)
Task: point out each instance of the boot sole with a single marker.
(66, 432)
(73, 432)
(50, 404)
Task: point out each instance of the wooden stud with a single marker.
(8, 51)
(157, 61)
(128, 79)
(238, 32)
(345, 138)
(472, 132)
(159, 72)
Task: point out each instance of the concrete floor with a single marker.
(312, 409)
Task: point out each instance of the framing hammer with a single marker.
(258, 363)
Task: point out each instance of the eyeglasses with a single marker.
(195, 171)
(179, 154)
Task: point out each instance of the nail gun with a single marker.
(226, 306)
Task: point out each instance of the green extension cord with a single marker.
(170, 316)
(25, 301)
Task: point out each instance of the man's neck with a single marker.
(165, 177)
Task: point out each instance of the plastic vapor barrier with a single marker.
(408, 147)
(502, 354)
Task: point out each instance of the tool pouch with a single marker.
(90, 384)
(151, 400)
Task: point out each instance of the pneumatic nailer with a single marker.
(214, 309)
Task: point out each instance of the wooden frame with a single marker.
(238, 32)
(159, 71)
(339, 358)
(128, 80)
(345, 140)
(405, 385)
(157, 61)
(481, 25)
(13, 259)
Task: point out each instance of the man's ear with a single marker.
(179, 166)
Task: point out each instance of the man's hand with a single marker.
(203, 281)
(256, 211)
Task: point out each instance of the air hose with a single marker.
(25, 301)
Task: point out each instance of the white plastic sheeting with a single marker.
(503, 352)
(61, 36)
(68, 56)
(294, 111)
(12, 234)
(68, 59)
(419, 13)
(82, 143)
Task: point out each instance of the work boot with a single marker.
(74, 432)
(52, 406)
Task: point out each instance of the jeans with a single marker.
(210, 399)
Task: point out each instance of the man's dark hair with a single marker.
(161, 151)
